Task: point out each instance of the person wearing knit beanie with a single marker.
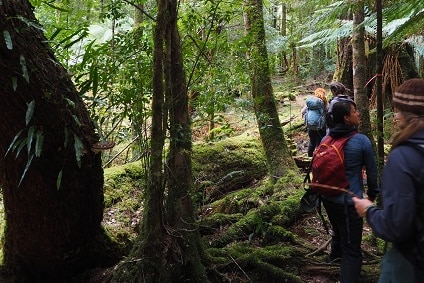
(400, 220)
(409, 97)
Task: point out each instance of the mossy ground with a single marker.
(252, 231)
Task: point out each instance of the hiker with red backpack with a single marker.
(343, 119)
(401, 219)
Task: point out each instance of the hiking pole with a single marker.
(332, 188)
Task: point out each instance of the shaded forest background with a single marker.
(192, 110)
(257, 230)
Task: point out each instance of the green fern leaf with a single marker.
(59, 180)
(8, 40)
(29, 112)
(39, 140)
(26, 169)
(12, 144)
(78, 146)
(29, 139)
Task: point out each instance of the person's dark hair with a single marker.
(340, 109)
(337, 88)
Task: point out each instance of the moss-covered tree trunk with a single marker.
(343, 72)
(359, 64)
(168, 248)
(284, 65)
(186, 257)
(278, 156)
(52, 182)
(149, 245)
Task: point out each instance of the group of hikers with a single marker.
(399, 216)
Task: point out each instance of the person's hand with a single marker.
(361, 205)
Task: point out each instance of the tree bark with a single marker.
(149, 244)
(169, 243)
(53, 187)
(278, 156)
(180, 211)
(359, 63)
(284, 62)
(343, 72)
(378, 86)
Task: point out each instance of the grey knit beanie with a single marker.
(409, 97)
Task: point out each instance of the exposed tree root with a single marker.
(322, 248)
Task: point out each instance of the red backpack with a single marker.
(327, 167)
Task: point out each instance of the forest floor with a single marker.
(308, 229)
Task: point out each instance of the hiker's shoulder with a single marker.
(360, 137)
(360, 140)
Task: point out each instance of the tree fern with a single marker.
(402, 20)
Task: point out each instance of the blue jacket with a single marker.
(401, 178)
(358, 154)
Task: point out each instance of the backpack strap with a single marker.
(307, 180)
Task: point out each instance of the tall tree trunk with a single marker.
(272, 136)
(343, 72)
(169, 243)
(186, 259)
(284, 62)
(138, 14)
(140, 116)
(359, 69)
(149, 243)
(52, 188)
(378, 85)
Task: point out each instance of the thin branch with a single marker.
(247, 276)
(138, 8)
(322, 248)
(332, 188)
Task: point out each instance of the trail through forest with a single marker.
(308, 229)
(311, 229)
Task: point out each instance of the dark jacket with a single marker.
(403, 177)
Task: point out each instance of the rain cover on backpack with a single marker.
(315, 113)
(328, 168)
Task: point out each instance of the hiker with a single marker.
(314, 113)
(346, 224)
(338, 90)
(400, 220)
